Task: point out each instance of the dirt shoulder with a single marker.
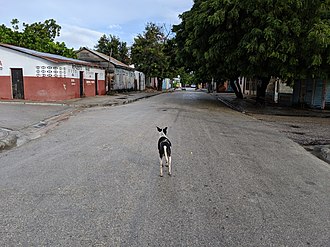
(313, 133)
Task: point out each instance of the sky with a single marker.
(84, 22)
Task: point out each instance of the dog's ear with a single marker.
(165, 130)
(159, 129)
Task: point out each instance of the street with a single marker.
(93, 180)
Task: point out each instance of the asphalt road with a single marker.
(94, 181)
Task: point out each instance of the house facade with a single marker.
(140, 81)
(31, 75)
(152, 82)
(314, 93)
(166, 84)
(277, 90)
(120, 77)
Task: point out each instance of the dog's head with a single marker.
(162, 132)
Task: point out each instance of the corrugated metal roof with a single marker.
(47, 56)
(112, 60)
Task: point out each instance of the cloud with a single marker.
(114, 26)
(76, 37)
(83, 23)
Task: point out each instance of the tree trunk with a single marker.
(239, 89)
(261, 89)
(160, 84)
(324, 94)
(236, 88)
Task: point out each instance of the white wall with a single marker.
(12, 59)
(123, 79)
(141, 80)
(35, 66)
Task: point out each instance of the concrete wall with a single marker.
(47, 81)
(123, 79)
(5, 87)
(140, 80)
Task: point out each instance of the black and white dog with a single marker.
(164, 148)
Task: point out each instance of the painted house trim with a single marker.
(46, 77)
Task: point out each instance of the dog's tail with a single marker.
(165, 153)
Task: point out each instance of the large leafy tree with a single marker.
(282, 39)
(205, 46)
(259, 39)
(36, 36)
(111, 45)
(189, 41)
(147, 52)
(317, 50)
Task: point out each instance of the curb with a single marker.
(115, 102)
(110, 102)
(9, 102)
(274, 112)
(8, 139)
(230, 105)
(325, 152)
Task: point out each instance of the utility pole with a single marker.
(108, 72)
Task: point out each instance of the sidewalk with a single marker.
(8, 138)
(109, 100)
(99, 100)
(249, 106)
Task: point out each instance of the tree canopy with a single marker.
(148, 52)
(36, 36)
(112, 45)
(262, 38)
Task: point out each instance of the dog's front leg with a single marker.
(161, 166)
(169, 166)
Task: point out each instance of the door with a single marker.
(276, 90)
(319, 94)
(81, 83)
(17, 83)
(135, 85)
(96, 84)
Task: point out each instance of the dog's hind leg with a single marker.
(169, 166)
(166, 156)
(161, 166)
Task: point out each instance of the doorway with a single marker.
(17, 83)
(81, 76)
(96, 84)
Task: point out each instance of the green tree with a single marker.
(113, 46)
(317, 50)
(173, 67)
(148, 54)
(186, 78)
(36, 36)
(258, 39)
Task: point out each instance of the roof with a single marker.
(47, 56)
(108, 58)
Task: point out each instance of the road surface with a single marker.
(94, 181)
